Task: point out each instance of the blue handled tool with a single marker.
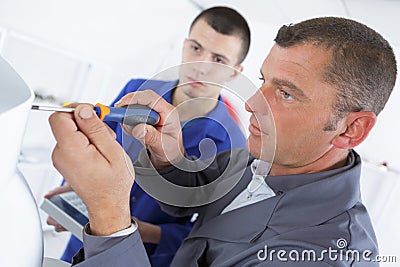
(129, 115)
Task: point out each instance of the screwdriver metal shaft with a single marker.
(47, 108)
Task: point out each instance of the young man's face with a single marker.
(301, 104)
(212, 51)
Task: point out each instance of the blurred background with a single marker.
(86, 51)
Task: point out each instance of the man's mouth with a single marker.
(254, 127)
(194, 82)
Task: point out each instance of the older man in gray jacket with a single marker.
(324, 83)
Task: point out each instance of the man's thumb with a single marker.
(94, 129)
(151, 136)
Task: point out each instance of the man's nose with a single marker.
(257, 102)
(204, 66)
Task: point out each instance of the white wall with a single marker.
(129, 38)
(87, 50)
(383, 145)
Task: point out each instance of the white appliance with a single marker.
(20, 229)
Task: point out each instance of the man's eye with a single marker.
(218, 60)
(195, 48)
(286, 95)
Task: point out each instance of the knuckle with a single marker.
(54, 157)
(52, 119)
(151, 138)
(96, 130)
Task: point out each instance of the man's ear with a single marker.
(185, 43)
(359, 125)
(237, 70)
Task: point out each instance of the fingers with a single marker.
(95, 130)
(111, 132)
(51, 221)
(64, 128)
(64, 125)
(57, 227)
(164, 140)
(93, 163)
(127, 129)
(141, 132)
(58, 190)
(148, 135)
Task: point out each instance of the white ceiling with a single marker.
(382, 15)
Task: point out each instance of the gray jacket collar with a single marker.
(324, 196)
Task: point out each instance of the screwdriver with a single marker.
(129, 115)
